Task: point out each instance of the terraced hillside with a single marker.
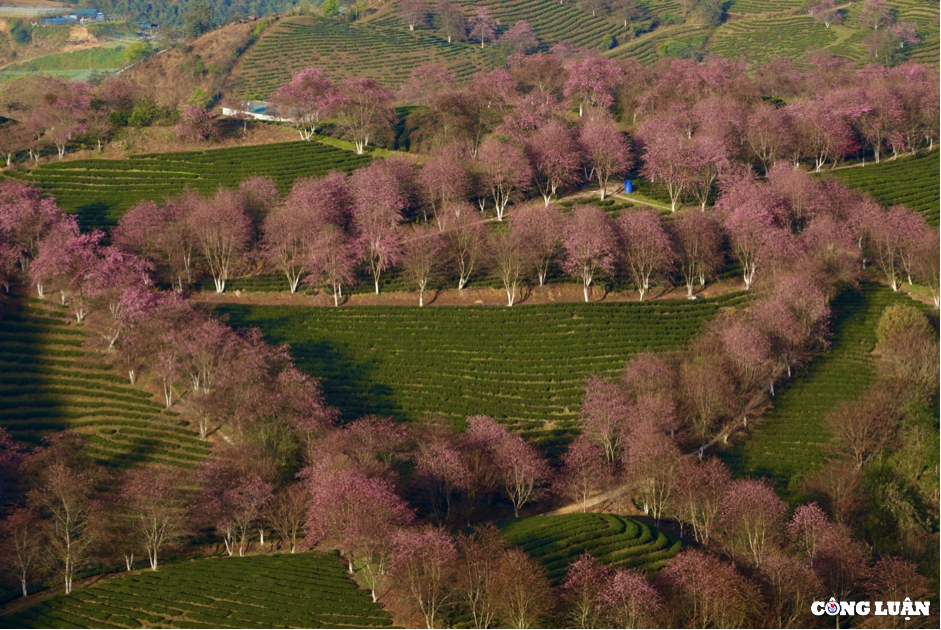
(100, 191)
(912, 181)
(385, 52)
(790, 442)
(558, 541)
(553, 21)
(762, 38)
(525, 365)
(50, 381)
(282, 591)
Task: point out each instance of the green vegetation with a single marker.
(281, 591)
(791, 441)
(911, 181)
(760, 39)
(523, 365)
(100, 191)
(558, 541)
(73, 64)
(377, 51)
(50, 380)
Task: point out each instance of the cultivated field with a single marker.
(790, 442)
(525, 365)
(100, 191)
(558, 541)
(282, 591)
(50, 380)
(911, 181)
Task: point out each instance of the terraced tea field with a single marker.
(100, 191)
(912, 181)
(790, 442)
(558, 541)
(50, 382)
(283, 591)
(762, 38)
(383, 52)
(524, 365)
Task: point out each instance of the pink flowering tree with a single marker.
(233, 502)
(520, 39)
(152, 502)
(538, 232)
(377, 215)
(700, 492)
(414, 12)
(422, 568)
(698, 239)
(449, 17)
(221, 229)
(555, 156)
(648, 252)
(195, 125)
(629, 600)
(751, 521)
(704, 591)
(752, 233)
(443, 180)
(307, 99)
(508, 256)
(590, 244)
(582, 590)
(670, 158)
(592, 82)
(606, 150)
(333, 261)
(21, 540)
(422, 252)
(364, 112)
(504, 170)
(604, 414)
(522, 470)
(26, 217)
(466, 235)
(584, 471)
(482, 26)
(425, 83)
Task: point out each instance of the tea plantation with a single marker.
(912, 181)
(50, 381)
(100, 191)
(524, 365)
(558, 541)
(790, 442)
(282, 591)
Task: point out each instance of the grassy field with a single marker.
(100, 191)
(790, 443)
(558, 541)
(77, 64)
(49, 381)
(282, 591)
(524, 365)
(912, 181)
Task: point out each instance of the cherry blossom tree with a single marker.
(751, 520)
(525, 593)
(504, 170)
(153, 503)
(629, 600)
(289, 234)
(582, 590)
(221, 229)
(700, 492)
(443, 180)
(670, 158)
(604, 415)
(449, 17)
(592, 81)
(425, 83)
(648, 252)
(584, 471)
(364, 112)
(650, 459)
(520, 38)
(307, 99)
(377, 214)
(195, 125)
(422, 252)
(768, 134)
(825, 12)
(555, 156)
(482, 26)
(862, 429)
(479, 554)
(333, 261)
(590, 244)
(753, 236)
(698, 240)
(62, 113)
(508, 256)
(606, 149)
(707, 391)
(162, 235)
(926, 264)
(414, 12)
(822, 133)
(538, 232)
(522, 470)
(467, 237)
(21, 541)
(286, 513)
(422, 568)
(705, 591)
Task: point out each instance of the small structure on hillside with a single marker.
(259, 110)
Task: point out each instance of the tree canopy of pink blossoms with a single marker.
(307, 99)
(504, 170)
(648, 252)
(482, 26)
(592, 82)
(377, 215)
(606, 149)
(222, 229)
(590, 244)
